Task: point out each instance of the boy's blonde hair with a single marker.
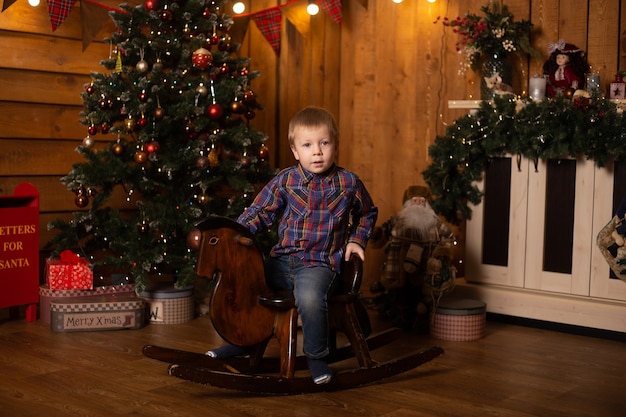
(312, 116)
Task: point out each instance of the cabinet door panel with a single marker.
(496, 233)
(568, 237)
(610, 189)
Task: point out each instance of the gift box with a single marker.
(167, 304)
(91, 314)
(459, 320)
(48, 295)
(69, 272)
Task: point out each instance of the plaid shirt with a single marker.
(319, 214)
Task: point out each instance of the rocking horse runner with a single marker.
(319, 207)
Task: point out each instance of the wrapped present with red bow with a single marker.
(69, 272)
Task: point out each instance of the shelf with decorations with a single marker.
(536, 182)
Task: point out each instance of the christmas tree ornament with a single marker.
(237, 107)
(202, 90)
(143, 96)
(159, 112)
(249, 96)
(117, 148)
(152, 147)
(204, 198)
(224, 69)
(202, 162)
(166, 14)
(151, 4)
(215, 111)
(142, 121)
(142, 66)
(201, 58)
(105, 128)
(213, 158)
(92, 129)
(193, 239)
(158, 65)
(140, 157)
(129, 123)
(88, 141)
(81, 201)
(250, 114)
(263, 153)
(90, 89)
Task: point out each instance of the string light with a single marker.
(33, 3)
(312, 8)
(239, 7)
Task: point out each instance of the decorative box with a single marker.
(47, 295)
(167, 304)
(70, 272)
(103, 313)
(617, 88)
(459, 320)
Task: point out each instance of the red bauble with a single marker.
(249, 96)
(215, 111)
(143, 96)
(151, 4)
(142, 121)
(105, 127)
(193, 239)
(90, 89)
(152, 146)
(201, 58)
(250, 114)
(92, 130)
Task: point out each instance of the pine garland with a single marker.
(593, 128)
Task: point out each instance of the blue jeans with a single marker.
(310, 288)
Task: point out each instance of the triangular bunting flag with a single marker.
(333, 9)
(268, 21)
(7, 3)
(58, 11)
(92, 19)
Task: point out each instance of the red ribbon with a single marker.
(69, 257)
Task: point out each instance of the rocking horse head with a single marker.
(231, 256)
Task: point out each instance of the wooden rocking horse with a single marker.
(246, 312)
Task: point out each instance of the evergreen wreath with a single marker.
(590, 127)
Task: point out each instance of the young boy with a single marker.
(324, 214)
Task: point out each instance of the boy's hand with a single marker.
(354, 248)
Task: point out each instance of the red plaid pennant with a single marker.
(333, 9)
(58, 11)
(268, 21)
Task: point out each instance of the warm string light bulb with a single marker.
(312, 8)
(397, 1)
(33, 3)
(239, 7)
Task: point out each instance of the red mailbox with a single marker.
(19, 250)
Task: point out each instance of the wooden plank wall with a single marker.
(387, 73)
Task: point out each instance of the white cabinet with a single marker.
(531, 243)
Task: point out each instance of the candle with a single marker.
(537, 88)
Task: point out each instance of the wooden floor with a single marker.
(513, 371)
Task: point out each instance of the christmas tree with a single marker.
(177, 103)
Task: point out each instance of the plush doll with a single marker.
(419, 258)
(565, 69)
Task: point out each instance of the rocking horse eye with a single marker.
(213, 240)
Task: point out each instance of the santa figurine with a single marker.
(418, 266)
(565, 69)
